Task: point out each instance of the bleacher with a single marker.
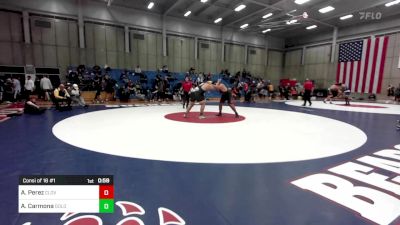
(151, 76)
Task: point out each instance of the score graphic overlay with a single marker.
(63, 194)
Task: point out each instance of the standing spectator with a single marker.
(76, 96)
(17, 87)
(397, 94)
(308, 89)
(160, 86)
(109, 87)
(61, 95)
(46, 86)
(1, 90)
(29, 87)
(271, 90)
(8, 91)
(390, 90)
(186, 86)
(138, 71)
(286, 91)
(164, 69)
(97, 84)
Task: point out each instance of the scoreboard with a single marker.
(63, 194)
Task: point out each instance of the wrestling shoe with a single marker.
(202, 117)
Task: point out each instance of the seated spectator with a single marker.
(81, 69)
(76, 96)
(97, 70)
(61, 96)
(372, 97)
(32, 108)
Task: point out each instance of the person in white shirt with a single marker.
(17, 87)
(138, 70)
(76, 96)
(46, 86)
(29, 87)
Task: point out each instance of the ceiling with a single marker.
(282, 10)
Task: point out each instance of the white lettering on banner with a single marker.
(361, 173)
(382, 209)
(381, 163)
(371, 202)
(389, 153)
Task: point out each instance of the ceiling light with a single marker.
(187, 13)
(267, 15)
(218, 20)
(326, 9)
(203, 1)
(265, 31)
(150, 5)
(240, 7)
(291, 22)
(299, 2)
(311, 27)
(392, 3)
(346, 17)
(244, 26)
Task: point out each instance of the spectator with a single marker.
(397, 94)
(8, 91)
(97, 70)
(271, 90)
(308, 89)
(17, 88)
(293, 92)
(97, 84)
(138, 71)
(76, 96)
(61, 95)
(81, 70)
(46, 86)
(390, 90)
(186, 86)
(164, 69)
(32, 108)
(286, 91)
(29, 87)
(1, 90)
(109, 84)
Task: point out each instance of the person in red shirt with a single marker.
(186, 86)
(308, 89)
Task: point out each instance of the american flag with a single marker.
(361, 64)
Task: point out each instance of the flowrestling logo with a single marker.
(369, 185)
(130, 213)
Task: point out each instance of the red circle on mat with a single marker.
(364, 106)
(211, 117)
